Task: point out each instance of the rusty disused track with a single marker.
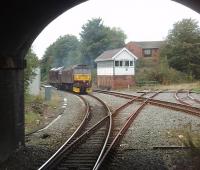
(81, 157)
(85, 150)
(188, 95)
(179, 99)
(174, 106)
(191, 97)
(115, 139)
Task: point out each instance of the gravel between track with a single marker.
(155, 127)
(43, 144)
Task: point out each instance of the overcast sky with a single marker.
(141, 20)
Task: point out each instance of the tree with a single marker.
(65, 51)
(182, 47)
(96, 38)
(32, 64)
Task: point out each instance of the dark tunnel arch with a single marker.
(21, 23)
(24, 20)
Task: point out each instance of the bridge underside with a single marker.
(21, 22)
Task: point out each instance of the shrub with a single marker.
(160, 73)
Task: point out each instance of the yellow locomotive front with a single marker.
(82, 79)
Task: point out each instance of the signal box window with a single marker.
(131, 63)
(126, 63)
(116, 63)
(120, 63)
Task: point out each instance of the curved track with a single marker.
(120, 131)
(191, 97)
(84, 151)
(178, 98)
(92, 148)
(174, 106)
(104, 162)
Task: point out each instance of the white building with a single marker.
(115, 68)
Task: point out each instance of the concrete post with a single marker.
(11, 111)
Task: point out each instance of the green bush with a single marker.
(161, 73)
(34, 104)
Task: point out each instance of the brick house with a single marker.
(145, 49)
(115, 69)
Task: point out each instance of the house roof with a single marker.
(111, 54)
(107, 55)
(149, 44)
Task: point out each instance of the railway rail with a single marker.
(75, 154)
(115, 139)
(191, 97)
(179, 98)
(75, 134)
(174, 106)
(84, 150)
(87, 112)
(90, 160)
(122, 131)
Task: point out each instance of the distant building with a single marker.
(34, 86)
(115, 69)
(145, 49)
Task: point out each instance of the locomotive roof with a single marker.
(57, 69)
(71, 67)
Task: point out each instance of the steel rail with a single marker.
(123, 130)
(192, 98)
(109, 131)
(128, 96)
(174, 106)
(84, 119)
(114, 113)
(52, 162)
(54, 156)
(178, 99)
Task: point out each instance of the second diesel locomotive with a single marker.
(76, 78)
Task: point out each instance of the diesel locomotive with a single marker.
(77, 78)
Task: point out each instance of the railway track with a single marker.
(93, 148)
(87, 112)
(174, 106)
(179, 99)
(87, 150)
(83, 151)
(187, 95)
(119, 132)
(191, 97)
(75, 134)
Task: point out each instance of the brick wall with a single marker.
(155, 54)
(115, 82)
(136, 50)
